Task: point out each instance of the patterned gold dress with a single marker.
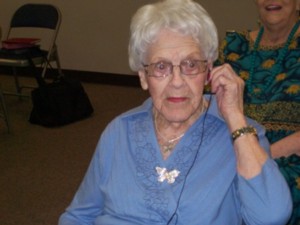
(271, 99)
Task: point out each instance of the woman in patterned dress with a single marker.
(268, 59)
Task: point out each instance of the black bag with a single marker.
(60, 102)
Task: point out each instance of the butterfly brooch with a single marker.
(163, 174)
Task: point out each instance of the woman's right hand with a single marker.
(229, 88)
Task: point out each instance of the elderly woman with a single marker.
(181, 158)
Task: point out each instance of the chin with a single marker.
(178, 116)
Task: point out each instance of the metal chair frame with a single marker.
(4, 114)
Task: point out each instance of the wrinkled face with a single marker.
(176, 97)
(277, 11)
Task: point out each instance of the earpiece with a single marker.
(207, 87)
(208, 76)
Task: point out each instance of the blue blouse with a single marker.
(121, 186)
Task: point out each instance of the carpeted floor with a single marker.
(41, 168)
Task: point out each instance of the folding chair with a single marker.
(3, 113)
(43, 21)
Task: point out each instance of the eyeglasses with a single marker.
(187, 67)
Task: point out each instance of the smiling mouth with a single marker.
(273, 8)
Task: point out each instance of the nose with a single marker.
(177, 78)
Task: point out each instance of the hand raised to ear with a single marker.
(228, 88)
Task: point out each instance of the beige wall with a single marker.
(94, 33)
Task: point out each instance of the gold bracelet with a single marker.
(242, 131)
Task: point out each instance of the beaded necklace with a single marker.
(276, 67)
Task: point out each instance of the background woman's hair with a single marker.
(183, 16)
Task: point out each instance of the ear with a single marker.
(207, 78)
(143, 80)
(209, 68)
